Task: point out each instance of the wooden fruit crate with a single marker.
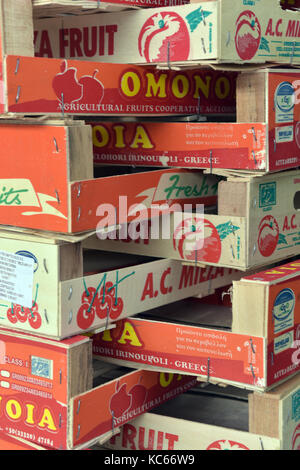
(276, 414)
(52, 393)
(257, 224)
(266, 136)
(246, 344)
(64, 290)
(218, 32)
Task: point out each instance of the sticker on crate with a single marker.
(284, 404)
(91, 290)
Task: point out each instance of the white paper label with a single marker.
(16, 279)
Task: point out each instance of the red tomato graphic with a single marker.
(268, 235)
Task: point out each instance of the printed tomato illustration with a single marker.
(197, 238)
(104, 304)
(160, 35)
(121, 401)
(226, 445)
(139, 394)
(268, 235)
(248, 35)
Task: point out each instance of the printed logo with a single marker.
(164, 36)
(227, 445)
(268, 235)
(197, 239)
(42, 367)
(27, 254)
(73, 94)
(248, 35)
(267, 194)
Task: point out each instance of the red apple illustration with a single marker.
(268, 235)
(139, 394)
(120, 402)
(93, 89)
(248, 35)
(66, 86)
(164, 36)
(197, 238)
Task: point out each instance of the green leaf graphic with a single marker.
(196, 17)
(226, 229)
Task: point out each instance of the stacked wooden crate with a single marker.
(180, 60)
